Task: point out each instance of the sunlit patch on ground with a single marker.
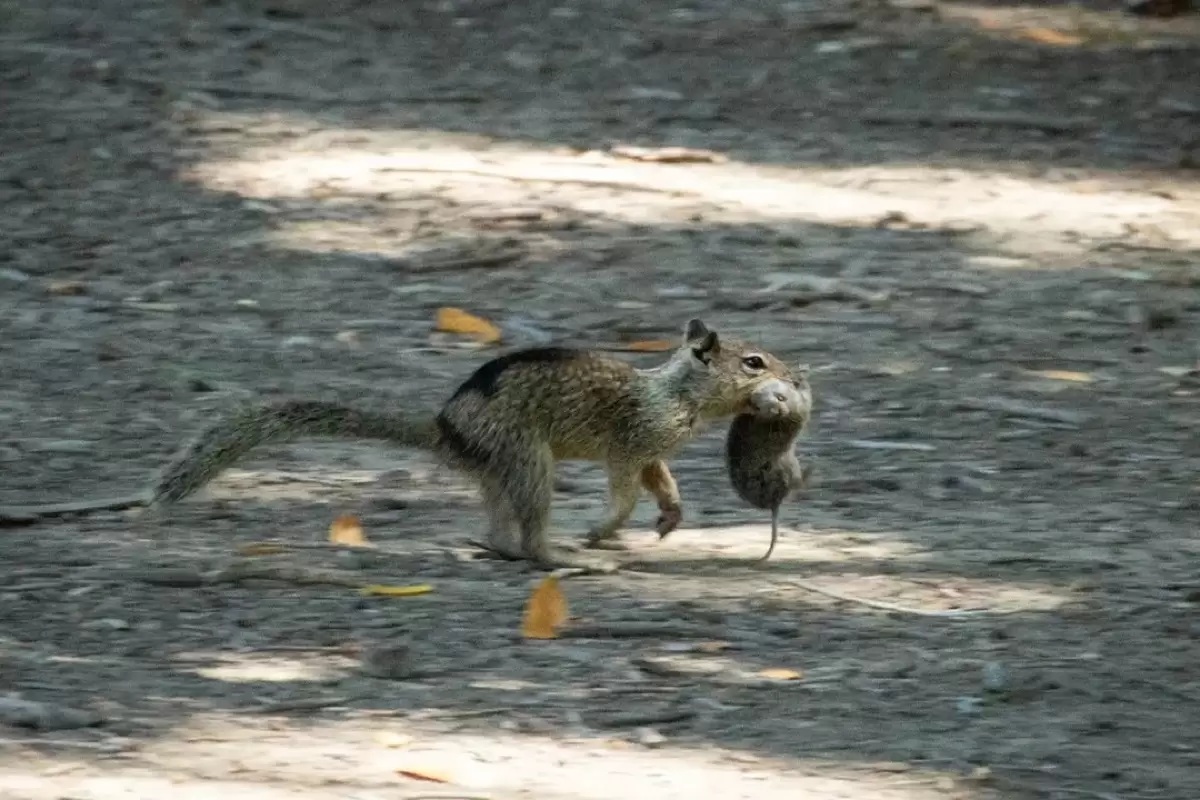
(263, 760)
(638, 192)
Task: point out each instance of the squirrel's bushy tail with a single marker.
(224, 443)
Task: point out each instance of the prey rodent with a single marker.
(760, 452)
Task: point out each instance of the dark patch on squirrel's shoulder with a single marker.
(459, 445)
(486, 379)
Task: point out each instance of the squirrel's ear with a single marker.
(702, 342)
(802, 370)
(694, 331)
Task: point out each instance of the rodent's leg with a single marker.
(501, 521)
(659, 481)
(623, 491)
(528, 479)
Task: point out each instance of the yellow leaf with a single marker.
(67, 288)
(780, 674)
(346, 529)
(260, 549)
(1064, 375)
(545, 611)
(455, 320)
(421, 773)
(1051, 37)
(377, 590)
(646, 346)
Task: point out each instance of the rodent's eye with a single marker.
(754, 362)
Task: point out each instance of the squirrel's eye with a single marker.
(754, 362)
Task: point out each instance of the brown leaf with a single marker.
(455, 320)
(347, 529)
(1063, 375)
(422, 773)
(545, 611)
(260, 549)
(67, 288)
(781, 674)
(380, 590)
(669, 155)
(1051, 37)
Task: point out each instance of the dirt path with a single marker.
(996, 234)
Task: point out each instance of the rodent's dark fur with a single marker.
(760, 450)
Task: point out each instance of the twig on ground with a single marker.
(882, 606)
(311, 95)
(881, 444)
(1015, 408)
(1006, 119)
(303, 31)
(655, 630)
(112, 747)
(496, 259)
(243, 571)
(638, 719)
(595, 183)
(28, 515)
(303, 704)
(819, 287)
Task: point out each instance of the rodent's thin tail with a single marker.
(224, 443)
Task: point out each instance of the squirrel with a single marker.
(516, 416)
(760, 449)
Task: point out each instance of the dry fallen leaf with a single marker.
(455, 320)
(422, 773)
(260, 549)
(346, 529)
(378, 590)
(1051, 37)
(545, 611)
(1063, 375)
(67, 288)
(780, 674)
(669, 155)
(696, 647)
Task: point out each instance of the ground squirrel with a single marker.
(517, 415)
(760, 449)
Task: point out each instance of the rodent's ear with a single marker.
(706, 348)
(802, 370)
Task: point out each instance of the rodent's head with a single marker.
(738, 377)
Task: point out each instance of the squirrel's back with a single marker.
(579, 404)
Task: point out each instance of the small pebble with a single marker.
(968, 706)
(995, 677)
(648, 737)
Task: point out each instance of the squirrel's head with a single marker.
(733, 376)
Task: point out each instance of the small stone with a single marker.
(968, 706)
(995, 677)
(63, 446)
(108, 623)
(391, 662)
(648, 737)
